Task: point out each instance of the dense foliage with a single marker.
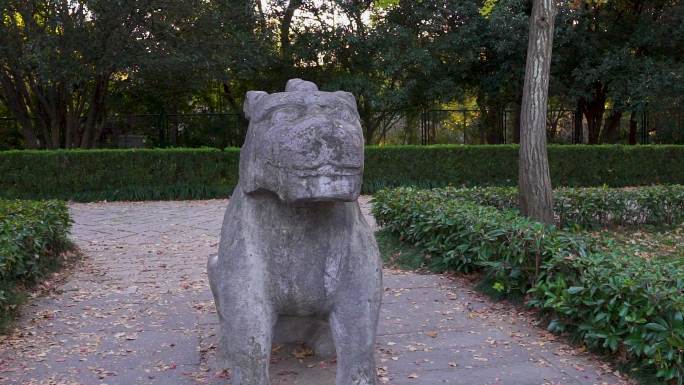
(614, 301)
(591, 207)
(88, 175)
(620, 303)
(32, 237)
(64, 65)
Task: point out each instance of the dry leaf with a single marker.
(432, 334)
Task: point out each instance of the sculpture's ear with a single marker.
(252, 102)
(347, 96)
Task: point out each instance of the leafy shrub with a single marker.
(464, 236)
(144, 174)
(615, 301)
(596, 207)
(32, 237)
(618, 303)
(591, 207)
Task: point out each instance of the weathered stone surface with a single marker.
(297, 260)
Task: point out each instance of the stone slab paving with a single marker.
(137, 310)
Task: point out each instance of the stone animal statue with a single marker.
(297, 260)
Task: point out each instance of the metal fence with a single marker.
(564, 126)
(155, 130)
(177, 130)
(455, 126)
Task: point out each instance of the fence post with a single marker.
(644, 127)
(680, 127)
(163, 124)
(465, 127)
(505, 125)
(228, 129)
(577, 129)
(423, 127)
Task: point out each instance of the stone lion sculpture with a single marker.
(297, 260)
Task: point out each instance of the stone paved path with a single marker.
(137, 310)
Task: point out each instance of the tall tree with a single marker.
(500, 74)
(396, 58)
(534, 179)
(616, 57)
(57, 58)
(60, 60)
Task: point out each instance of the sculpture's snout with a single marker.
(327, 146)
(308, 144)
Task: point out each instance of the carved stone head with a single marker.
(302, 144)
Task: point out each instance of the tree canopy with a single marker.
(65, 65)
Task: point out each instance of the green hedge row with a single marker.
(33, 235)
(87, 175)
(590, 207)
(614, 301)
(497, 165)
(92, 175)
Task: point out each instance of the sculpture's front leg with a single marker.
(354, 331)
(246, 320)
(354, 321)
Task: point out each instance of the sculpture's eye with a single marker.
(286, 114)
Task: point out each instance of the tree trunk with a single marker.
(28, 131)
(285, 28)
(593, 111)
(594, 122)
(611, 130)
(16, 100)
(578, 126)
(262, 16)
(632, 128)
(494, 129)
(367, 122)
(234, 105)
(91, 127)
(255, 12)
(491, 113)
(534, 179)
(552, 120)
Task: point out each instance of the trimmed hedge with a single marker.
(32, 237)
(88, 175)
(613, 301)
(497, 165)
(92, 175)
(590, 207)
